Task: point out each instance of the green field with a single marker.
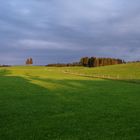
(41, 103)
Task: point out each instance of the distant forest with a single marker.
(91, 62)
(96, 62)
(4, 65)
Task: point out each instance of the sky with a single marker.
(55, 31)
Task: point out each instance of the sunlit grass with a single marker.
(45, 103)
(129, 71)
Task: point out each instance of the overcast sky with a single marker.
(52, 31)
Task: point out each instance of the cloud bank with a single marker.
(54, 31)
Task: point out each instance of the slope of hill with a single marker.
(130, 71)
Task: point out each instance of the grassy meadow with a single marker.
(130, 71)
(41, 103)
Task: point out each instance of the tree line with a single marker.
(64, 64)
(4, 65)
(90, 62)
(96, 62)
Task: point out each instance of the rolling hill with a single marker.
(48, 103)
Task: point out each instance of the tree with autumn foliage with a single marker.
(29, 61)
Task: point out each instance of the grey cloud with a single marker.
(52, 30)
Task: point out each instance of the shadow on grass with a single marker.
(4, 72)
(83, 83)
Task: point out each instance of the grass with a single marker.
(39, 103)
(129, 71)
